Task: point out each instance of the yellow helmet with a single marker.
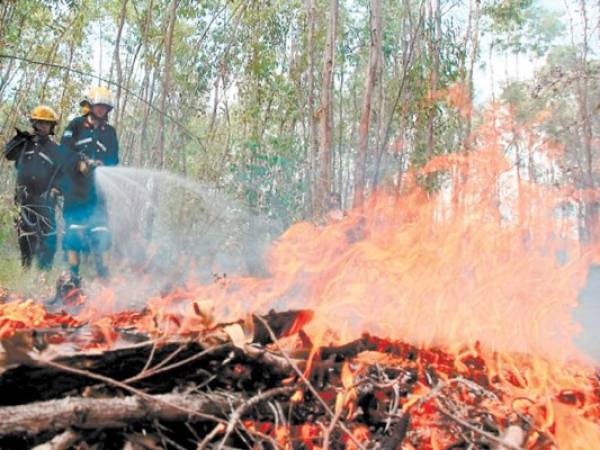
(44, 113)
(100, 95)
(85, 108)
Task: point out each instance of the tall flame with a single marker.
(487, 259)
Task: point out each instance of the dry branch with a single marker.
(93, 413)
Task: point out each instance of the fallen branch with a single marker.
(93, 413)
(126, 387)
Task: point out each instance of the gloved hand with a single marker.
(23, 134)
(86, 164)
(83, 167)
(15, 145)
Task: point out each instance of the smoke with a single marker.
(168, 230)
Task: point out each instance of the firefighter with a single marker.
(88, 142)
(37, 161)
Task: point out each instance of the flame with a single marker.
(475, 263)
(15, 315)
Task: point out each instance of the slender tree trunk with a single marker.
(380, 109)
(150, 156)
(166, 82)
(584, 100)
(213, 116)
(313, 166)
(117, 59)
(407, 59)
(380, 139)
(588, 212)
(5, 18)
(472, 59)
(354, 119)
(66, 80)
(326, 111)
(130, 71)
(365, 117)
(143, 92)
(340, 145)
(591, 207)
(434, 51)
(52, 56)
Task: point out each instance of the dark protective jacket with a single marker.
(37, 160)
(81, 141)
(99, 143)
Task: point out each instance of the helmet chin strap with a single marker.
(39, 132)
(99, 119)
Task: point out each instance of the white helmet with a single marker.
(100, 95)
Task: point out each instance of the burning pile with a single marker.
(261, 383)
(470, 290)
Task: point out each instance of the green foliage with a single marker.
(507, 15)
(267, 178)
(10, 266)
(521, 26)
(239, 83)
(8, 214)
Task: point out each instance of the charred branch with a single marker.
(92, 413)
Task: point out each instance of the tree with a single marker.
(325, 178)
(365, 117)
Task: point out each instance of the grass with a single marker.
(32, 283)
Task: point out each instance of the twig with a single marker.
(473, 428)
(209, 437)
(437, 390)
(309, 385)
(329, 430)
(237, 414)
(169, 358)
(150, 356)
(166, 439)
(158, 369)
(61, 441)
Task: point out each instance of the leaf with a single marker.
(205, 310)
(238, 334)
(18, 349)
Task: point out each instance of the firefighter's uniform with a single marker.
(37, 161)
(88, 142)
